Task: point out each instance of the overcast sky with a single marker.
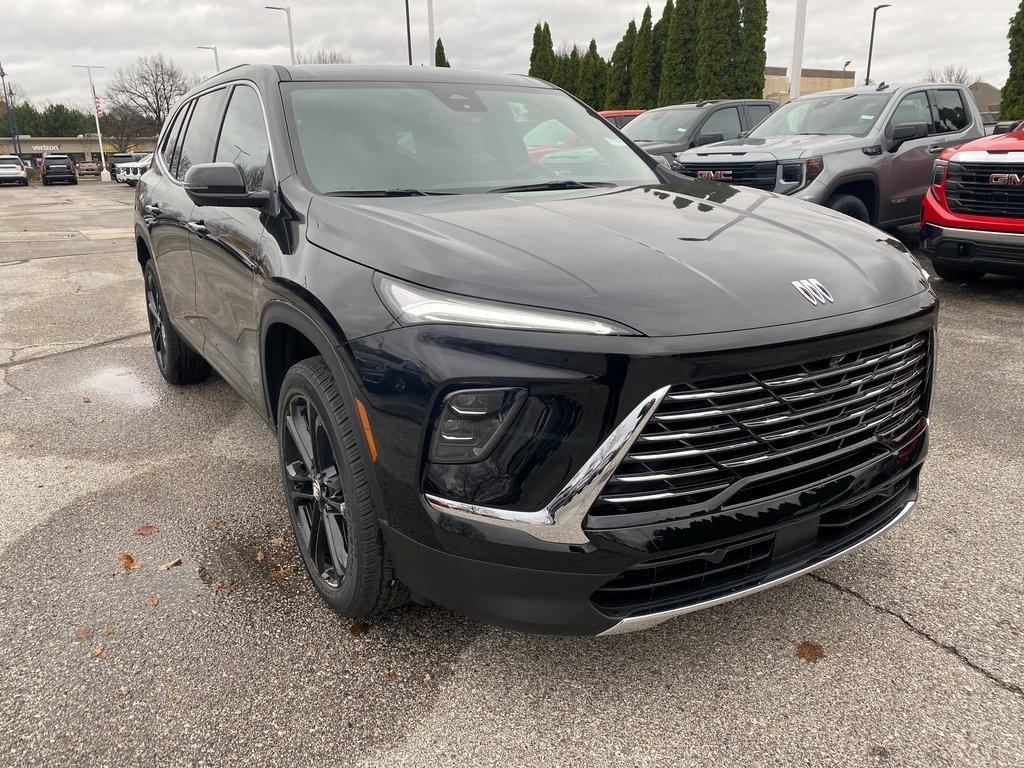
(40, 39)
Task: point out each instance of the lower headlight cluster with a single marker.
(471, 421)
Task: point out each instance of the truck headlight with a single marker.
(415, 305)
(471, 422)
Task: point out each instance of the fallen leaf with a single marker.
(283, 572)
(277, 541)
(225, 588)
(809, 651)
(99, 652)
(260, 555)
(128, 562)
(152, 601)
(86, 400)
(392, 674)
(83, 633)
(110, 631)
(359, 629)
(172, 564)
(216, 525)
(146, 530)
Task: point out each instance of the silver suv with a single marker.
(866, 151)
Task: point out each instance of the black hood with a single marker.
(668, 260)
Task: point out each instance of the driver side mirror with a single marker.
(906, 132)
(221, 184)
(708, 138)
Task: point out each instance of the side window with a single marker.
(724, 121)
(176, 139)
(172, 135)
(757, 112)
(952, 114)
(243, 139)
(913, 108)
(197, 146)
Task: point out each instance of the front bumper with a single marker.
(970, 242)
(508, 540)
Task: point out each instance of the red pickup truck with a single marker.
(972, 218)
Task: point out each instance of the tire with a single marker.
(850, 206)
(327, 490)
(177, 361)
(74, 182)
(954, 275)
(46, 183)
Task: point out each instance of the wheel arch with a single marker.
(863, 186)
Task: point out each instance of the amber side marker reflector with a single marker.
(365, 421)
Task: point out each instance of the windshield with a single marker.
(662, 125)
(451, 138)
(850, 114)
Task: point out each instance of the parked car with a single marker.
(866, 152)
(116, 159)
(129, 173)
(620, 118)
(1004, 126)
(972, 220)
(58, 168)
(88, 168)
(666, 131)
(569, 404)
(12, 170)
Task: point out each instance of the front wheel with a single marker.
(954, 275)
(328, 494)
(850, 206)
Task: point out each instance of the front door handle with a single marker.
(935, 149)
(198, 228)
(153, 210)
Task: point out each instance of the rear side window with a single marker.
(724, 121)
(952, 114)
(197, 146)
(172, 135)
(243, 139)
(757, 112)
(177, 138)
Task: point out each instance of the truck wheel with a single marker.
(328, 495)
(955, 275)
(178, 362)
(850, 206)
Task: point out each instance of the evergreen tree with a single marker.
(660, 41)
(717, 37)
(617, 93)
(558, 70)
(641, 77)
(440, 60)
(1012, 104)
(573, 62)
(535, 52)
(750, 55)
(592, 77)
(678, 70)
(547, 54)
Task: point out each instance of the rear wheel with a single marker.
(955, 275)
(850, 206)
(328, 495)
(178, 362)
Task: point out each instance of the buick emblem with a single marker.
(813, 290)
(714, 175)
(1006, 179)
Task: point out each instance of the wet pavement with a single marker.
(908, 652)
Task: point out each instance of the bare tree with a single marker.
(952, 73)
(150, 87)
(123, 126)
(323, 56)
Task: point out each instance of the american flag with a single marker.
(96, 101)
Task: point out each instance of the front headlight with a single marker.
(415, 305)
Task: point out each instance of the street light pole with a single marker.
(797, 65)
(287, 12)
(9, 104)
(104, 173)
(408, 31)
(216, 58)
(430, 27)
(871, 45)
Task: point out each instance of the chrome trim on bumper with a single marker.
(561, 521)
(637, 623)
(938, 232)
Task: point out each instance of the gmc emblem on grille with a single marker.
(813, 290)
(714, 175)
(1006, 179)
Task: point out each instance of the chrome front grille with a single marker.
(708, 435)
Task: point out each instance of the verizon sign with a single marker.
(45, 148)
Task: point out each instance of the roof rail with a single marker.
(218, 74)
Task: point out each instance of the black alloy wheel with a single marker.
(316, 498)
(157, 328)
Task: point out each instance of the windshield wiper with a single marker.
(553, 185)
(384, 193)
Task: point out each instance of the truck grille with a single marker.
(707, 435)
(759, 175)
(969, 190)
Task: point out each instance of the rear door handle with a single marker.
(198, 228)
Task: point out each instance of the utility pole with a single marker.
(408, 31)
(216, 58)
(287, 12)
(430, 27)
(871, 45)
(9, 105)
(104, 173)
(796, 66)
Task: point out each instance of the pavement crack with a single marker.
(27, 360)
(952, 650)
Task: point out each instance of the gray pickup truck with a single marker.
(866, 151)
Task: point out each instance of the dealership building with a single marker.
(77, 148)
(776, 81)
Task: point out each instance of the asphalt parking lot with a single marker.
(910, 652)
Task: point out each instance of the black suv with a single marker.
(565, 403)
(664, 132)
(58, 168)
